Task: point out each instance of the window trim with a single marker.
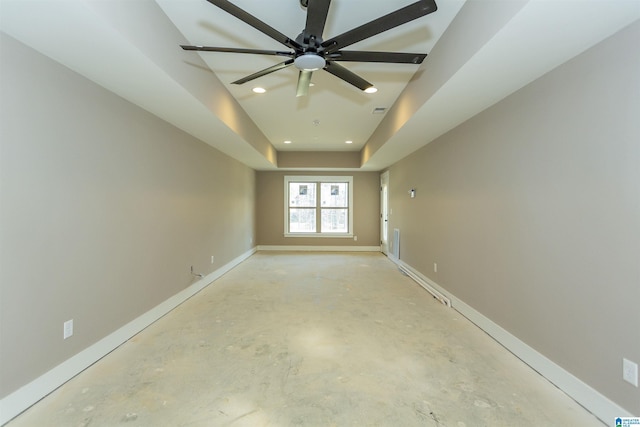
(318, 180)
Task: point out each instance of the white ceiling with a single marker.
(278, 113)
(479, 52)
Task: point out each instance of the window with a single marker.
(318, 206)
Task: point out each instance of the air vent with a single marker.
(379, 110)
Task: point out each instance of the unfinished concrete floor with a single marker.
(313, 339)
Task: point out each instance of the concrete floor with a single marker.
(314, 339)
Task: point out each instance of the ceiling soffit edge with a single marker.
(475, 24)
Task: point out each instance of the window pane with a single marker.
(334, 221)
(334, 194)
(302, 194)
(302, 220)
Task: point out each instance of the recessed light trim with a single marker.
(348, 142)
(259, 90)
(371, 89)
(287, 142)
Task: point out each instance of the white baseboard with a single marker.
(585, 395)
(319, 248)
(424, 281)
(596, 403)
(21, 399)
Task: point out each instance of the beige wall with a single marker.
(270, 210)
(104, 209)
(318, 159)
(532, 212)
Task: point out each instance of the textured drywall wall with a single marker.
(104, 210)
(531, 211)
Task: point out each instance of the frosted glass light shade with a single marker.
(309, 62)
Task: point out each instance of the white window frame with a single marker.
(318, 180)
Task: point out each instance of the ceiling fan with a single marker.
(309, 52)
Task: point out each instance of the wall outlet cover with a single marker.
(630, 372)
(68, 329)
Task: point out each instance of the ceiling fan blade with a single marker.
(249, 19)
(380, 25)
(346, 75)
(304, 79)
(264, 72)
(367, 56)
(236, 50)
(317, 12)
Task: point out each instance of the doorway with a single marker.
(384, 213)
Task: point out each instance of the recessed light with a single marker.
(287, 142)
(371, 89)
(348, 142)
(259, 90)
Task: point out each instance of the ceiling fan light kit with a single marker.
(309, 52)
(309, 62)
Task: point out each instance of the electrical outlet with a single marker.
(68, 329)
(355, 238)
(435, 267)
(212, 258)
(630, 372)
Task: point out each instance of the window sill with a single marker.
(321, 235)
